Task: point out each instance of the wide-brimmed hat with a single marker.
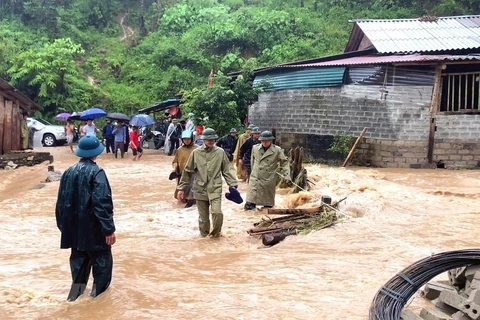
(89, 147)
(234, 195)
(251, 126)
(233, 130)
(265, 136)
(209, 134)
(255, 130)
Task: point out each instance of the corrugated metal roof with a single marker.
(285, 79)
(25, 102)
(375, 59)
(158, 106)
(381, 75)
(419, 35)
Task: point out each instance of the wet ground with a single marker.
(164, 270)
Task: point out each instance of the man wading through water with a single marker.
(84, 214)
(267, 158)
(209, 163)
(181, 158)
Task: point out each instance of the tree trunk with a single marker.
(293, 211)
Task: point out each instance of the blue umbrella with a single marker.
(141, 120)
(93, 113)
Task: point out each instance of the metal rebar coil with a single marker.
(392, 297)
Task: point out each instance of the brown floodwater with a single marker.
(164, 270)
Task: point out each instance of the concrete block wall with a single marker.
(404, 114)
(398, 123)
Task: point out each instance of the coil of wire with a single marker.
(392, 297)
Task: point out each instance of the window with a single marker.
(460, 92)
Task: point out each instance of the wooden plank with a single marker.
(433, 111)
(7, 131)
(2, 120)
(16, 118)
(350, 154)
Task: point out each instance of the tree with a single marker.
(44, 70)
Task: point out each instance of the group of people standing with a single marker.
(117, 137)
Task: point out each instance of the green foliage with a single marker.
(45, 70)
(342, 143)
(68, 54)
(215, 106)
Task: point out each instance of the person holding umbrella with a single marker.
(107, 134)
(90, 128)
(120, 138)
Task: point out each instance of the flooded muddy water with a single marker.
(164, 270)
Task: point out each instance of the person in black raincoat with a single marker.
(245, 154)
(84, 213)
(228, 143)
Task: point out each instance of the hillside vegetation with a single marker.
(69, 55)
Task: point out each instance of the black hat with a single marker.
(234, 195)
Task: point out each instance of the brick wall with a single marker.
(397, 122)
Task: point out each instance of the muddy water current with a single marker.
(164, 270)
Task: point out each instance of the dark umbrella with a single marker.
(75, 116)
(118, 116)
(62, 116)
(141, 120)
(93, 113)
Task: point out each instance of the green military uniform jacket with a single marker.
(208, 165)
(263, 179)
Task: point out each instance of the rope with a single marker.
(387, 236)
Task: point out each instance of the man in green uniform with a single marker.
(267, 158)
(209, 163)
(24, 131)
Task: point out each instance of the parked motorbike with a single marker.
(157, 137)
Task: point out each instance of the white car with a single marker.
(51, 135)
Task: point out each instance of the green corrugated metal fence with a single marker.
(289, 78)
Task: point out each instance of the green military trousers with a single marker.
(204, 208)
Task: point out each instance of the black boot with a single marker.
(249, 206)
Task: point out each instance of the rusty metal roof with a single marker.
(376, 59)
(418, 35)
(25, 102)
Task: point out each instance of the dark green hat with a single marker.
(255, 130)
(251, 126)
(209, 134)
(265, 136)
